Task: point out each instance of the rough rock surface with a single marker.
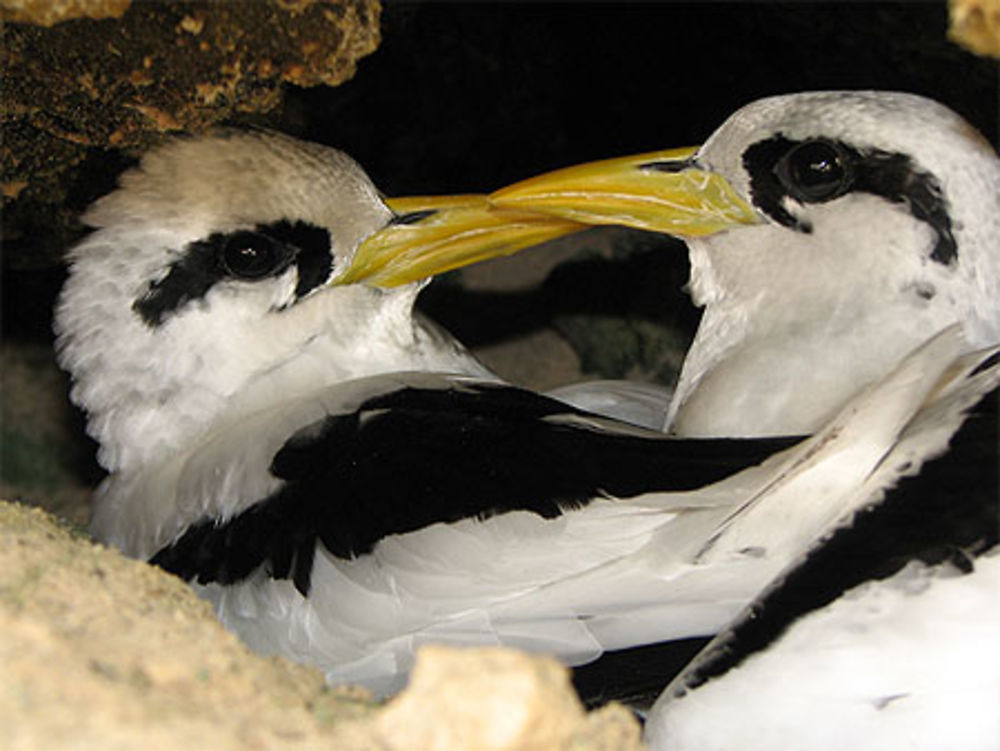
(975, 24)
(102, 652)
(73, 89)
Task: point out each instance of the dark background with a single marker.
(470, 96)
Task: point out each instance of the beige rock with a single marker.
(975, 24)
(497, 700)
(101, 652)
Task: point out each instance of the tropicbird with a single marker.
(857, 224)
(345, 483)
(829, 234)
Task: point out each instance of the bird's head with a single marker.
(233, 270)
(204, 270)
(885, 193)
(819, 184)
(829, 233)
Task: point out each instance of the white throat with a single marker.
(794, 325)
(142, 415)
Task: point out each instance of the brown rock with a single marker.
(49, 12)
(68, 90)
(99, 651)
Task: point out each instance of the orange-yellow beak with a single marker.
(431, 235)
(662, 191)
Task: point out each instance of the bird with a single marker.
(343, 482)
(829, 233)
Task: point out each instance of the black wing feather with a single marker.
(413, 457)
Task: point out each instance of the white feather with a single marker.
(909, 662)
(643, 404)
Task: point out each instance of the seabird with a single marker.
(856, 224)
(829, 234)
(344, 482)
(304, 445)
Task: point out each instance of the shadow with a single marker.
(642, 281)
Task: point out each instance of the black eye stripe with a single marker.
(272, 249)
(775, 173)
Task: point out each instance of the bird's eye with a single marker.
(251, 255)
(815, 171)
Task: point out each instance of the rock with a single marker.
(100, 651)
(72, 90)
(497, 699)
(975, 24)
(49, 12)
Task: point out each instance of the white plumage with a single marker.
(873, 220)
(909, 662)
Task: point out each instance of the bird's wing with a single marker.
(912, 661)
(924, 396)
(596, 562)
(901, 595)
(419, 452)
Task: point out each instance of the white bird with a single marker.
(829, 233)
(871, 220)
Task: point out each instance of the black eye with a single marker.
(251, 255)
(815, 171)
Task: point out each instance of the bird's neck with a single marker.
(778, 354)
(141, 422)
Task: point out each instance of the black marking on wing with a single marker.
(199, 268)
(946, 513)
(413, 457)
(895, 177)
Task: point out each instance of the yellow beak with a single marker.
(660, 191)
(434, 234)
